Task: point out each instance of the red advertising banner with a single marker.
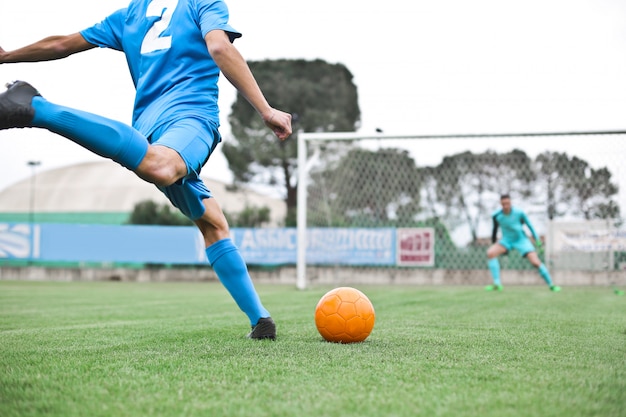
(416, 247)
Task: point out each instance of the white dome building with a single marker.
(103, 192)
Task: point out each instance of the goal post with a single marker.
(366, 200)
(302, 197)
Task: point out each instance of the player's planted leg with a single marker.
(231, 269)
(494, 268)
(264, 329)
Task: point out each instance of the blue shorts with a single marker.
(194, 140)
(523, 246)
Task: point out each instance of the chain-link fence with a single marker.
(443, 190)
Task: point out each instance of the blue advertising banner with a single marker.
(184, 245)
(351, 246)
(275, 246)
(19, 241)
(102, 243)
(325, 246)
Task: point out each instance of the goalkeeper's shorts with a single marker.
(523, 245)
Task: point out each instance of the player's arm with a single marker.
(47, 49)
(531, 228)
(494, 232)
(236, 70)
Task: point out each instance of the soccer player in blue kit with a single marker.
(175, 50)
(512, 220)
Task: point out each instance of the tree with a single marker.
(149, 212)
(464, 188)
(572, 187)
(364, 188)
(250, 216)
(321, 97)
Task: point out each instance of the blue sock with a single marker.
(105, 137)
(494, 267)
(543, 271)
(231, 269)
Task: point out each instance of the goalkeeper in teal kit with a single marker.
(512, 220)
(175, 51)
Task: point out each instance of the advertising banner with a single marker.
(102, 243)
(416, 247)
(334, 246)
(590, 240)
(185, 245)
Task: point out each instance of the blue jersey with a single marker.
(512, 225)
(172, 70)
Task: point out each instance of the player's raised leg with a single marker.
(16, 105)
(22, 106)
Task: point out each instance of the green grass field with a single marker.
(179, 349)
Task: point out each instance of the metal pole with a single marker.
(31, 211)
(301, 217)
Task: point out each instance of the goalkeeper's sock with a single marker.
(494, 267)
(543, 271)
(231, 269)
(105, 137)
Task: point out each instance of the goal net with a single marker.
(417, 209)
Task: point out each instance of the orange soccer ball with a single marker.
(344, 315)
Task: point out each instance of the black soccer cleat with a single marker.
(264, 329)
(16, 108)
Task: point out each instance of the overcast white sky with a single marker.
(422, 66)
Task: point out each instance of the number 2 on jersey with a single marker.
(153, 41)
